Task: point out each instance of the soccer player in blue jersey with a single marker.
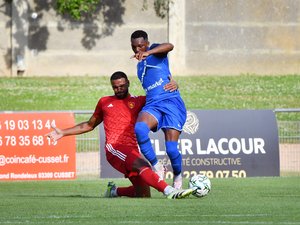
(164, 109)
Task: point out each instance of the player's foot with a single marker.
(160, 170)
(177, 182)
(178, 194)
(111, 189)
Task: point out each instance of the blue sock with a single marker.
(142, 134)
(175, 156)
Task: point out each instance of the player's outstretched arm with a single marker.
(80, 128)
(160, 49)
(163, 48)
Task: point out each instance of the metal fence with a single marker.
(289, 142)
(87, 149)
(88, 157)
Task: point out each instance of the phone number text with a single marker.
(37, 140)
(211, 174)
(11, 125)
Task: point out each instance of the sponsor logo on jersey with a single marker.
(155, 85)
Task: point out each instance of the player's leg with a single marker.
(114, 191)
(171, 138)
(141, 188)
(115, 155)
(144, 124)
(172, 125)
(131, 164)
(135, 163)
(147, 177)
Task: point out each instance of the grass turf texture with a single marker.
(231, 201)
(198, 92)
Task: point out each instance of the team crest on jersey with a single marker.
(131, 105)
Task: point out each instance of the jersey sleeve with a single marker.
(142, 101)
(159, 55)
(98, 113)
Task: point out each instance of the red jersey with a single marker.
(119, 117)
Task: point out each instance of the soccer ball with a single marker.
(202, 183)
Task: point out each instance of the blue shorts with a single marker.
(169, 113)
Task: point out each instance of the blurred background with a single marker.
(48, 38)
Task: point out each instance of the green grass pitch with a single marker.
(264, 200)
(249, 201)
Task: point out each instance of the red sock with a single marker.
(126, 191)
(152, 179)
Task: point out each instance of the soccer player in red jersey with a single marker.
(119, 113)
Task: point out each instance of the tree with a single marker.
(80, 9)
(77, 9)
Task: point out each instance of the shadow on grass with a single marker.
(57, 196)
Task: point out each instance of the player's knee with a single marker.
(140, 164)
(172, 149)
(142, 191)
(141, 130)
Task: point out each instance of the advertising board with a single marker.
(220, 144)
(27, 154)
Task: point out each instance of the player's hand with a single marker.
(172, 85)
(55, 135)
(140, 56)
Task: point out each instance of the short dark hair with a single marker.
(139, 34)
(118, 75)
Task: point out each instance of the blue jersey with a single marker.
(154, 72)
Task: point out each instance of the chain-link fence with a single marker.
(88, 157)
(289, 143)
(87, 149)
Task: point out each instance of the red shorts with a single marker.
(122, 158)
